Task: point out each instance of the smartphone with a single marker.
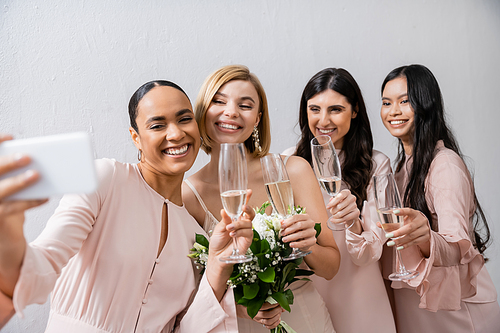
(65, 163)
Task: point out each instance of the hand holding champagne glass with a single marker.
(233, 189)
(327, 169)
(387, 200)
(279, 191)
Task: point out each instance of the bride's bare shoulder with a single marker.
(297, 164)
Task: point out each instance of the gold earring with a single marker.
(139, 155)
(256, 140)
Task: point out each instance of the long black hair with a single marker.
(139, 94)
(429, 127)
(358, 142)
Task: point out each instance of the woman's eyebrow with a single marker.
(155, 118)
(182, 112)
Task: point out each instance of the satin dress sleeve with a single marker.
(367, 248)
(450, 273)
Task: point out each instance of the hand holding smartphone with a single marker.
(65, 163)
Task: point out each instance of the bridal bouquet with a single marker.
(267, 277)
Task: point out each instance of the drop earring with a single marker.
(139, 155)
(256, 140)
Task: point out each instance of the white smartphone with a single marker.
(65, 163)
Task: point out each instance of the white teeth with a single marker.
(397, 122)
(177, 151)
(228, 126)
(326, 131)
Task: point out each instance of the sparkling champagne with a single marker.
(281, 196)
(331, 185)
(233, 200)
(390, 222)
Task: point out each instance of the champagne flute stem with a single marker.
(236, 251)
(401, 266)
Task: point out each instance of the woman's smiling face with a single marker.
(168, 134)
(329, 113)
(397, 114)
(233, 112)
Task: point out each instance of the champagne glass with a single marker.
(327, 169)
(233, 189)
(279, 191)
(387, 199)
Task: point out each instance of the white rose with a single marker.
(276, 224)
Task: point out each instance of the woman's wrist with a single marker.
(425, 249)
(356, 227)
(217, 275)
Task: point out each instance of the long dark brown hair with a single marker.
(358, 142)
(430, 126)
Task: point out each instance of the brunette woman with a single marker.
(332, 104)
(445, 232)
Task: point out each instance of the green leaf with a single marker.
(317, 227)
(299, 210)
(200, 239)
(250, 290)
(303, 279)
(289, 278)
(244, 301)
(303, 272)
(264, 289)
(281, 298)
(262, 209)
(263, 261)
(238, 294)
(255, 247)
(286, 251)
(289, 296)
(267, 275)
(264, 246)
(256, 236)
(254, 306)
(288, 274)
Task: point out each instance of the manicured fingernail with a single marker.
(232, 233)
(396, 211)
(285, 239)
(29, 174)
(400, 248)
(18, 157)
(391, 243)
(389, 235)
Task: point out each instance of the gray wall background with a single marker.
(72, 66)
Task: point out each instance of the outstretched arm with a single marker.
(12, 241)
